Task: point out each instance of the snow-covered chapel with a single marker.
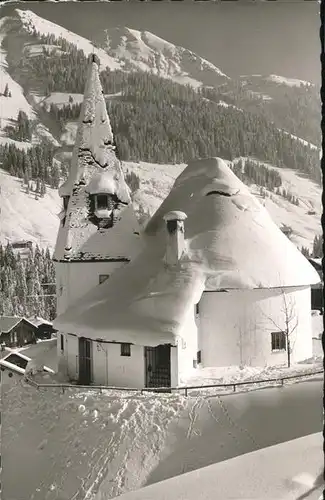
(210, 282)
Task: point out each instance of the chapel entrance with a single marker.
(84, 361)
(158, 366)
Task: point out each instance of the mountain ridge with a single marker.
(228, 94)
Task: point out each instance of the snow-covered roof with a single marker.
(37, 321)
(95, 168)
(289, 470)
(7, 323)
(230, 243)
(230, 233)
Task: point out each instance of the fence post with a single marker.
(234, 387)
(186, 391)
(282, 381)
(62, 390)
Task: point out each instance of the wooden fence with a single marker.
(268, 382)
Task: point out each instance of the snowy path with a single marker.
(86, 446)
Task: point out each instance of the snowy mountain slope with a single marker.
(10, 106)
(290, 82)
(145, 51)
(38, 221)
(305, 143)
(24, 218)
(305, 219)
(130, 49)
(31, 22)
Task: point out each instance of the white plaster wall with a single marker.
(76, 279)
(110, 368)
(317, 347)
(235, 327)
(187, 346)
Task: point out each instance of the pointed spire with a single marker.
(95, 143)
(96, 171)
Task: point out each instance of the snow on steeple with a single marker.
(94, 139)
(97, 199)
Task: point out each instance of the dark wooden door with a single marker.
(158, 366)
(84, 361)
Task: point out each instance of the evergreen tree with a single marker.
(318, 247)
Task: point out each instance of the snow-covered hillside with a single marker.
(37, 220)
(305, 219)
(22, 217)
(32, 21)
(290, 82)
(10, 106)
(145, 51)
(128, 49)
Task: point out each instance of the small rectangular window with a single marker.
(102, 201)
(278, 341)
(125, 349)
(102, 278)
(62, 342)
(198, 356)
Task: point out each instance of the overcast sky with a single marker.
(240, 38)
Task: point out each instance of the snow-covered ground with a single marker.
(290, 82)
(95, 446)
(10, 106)
(79, 438)
(305, 143)
(24, 218)
(287, 471)
(233, 374)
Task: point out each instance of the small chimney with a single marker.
(175, 236)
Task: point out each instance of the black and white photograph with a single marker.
(161, 280)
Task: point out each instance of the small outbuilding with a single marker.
(16, 331)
